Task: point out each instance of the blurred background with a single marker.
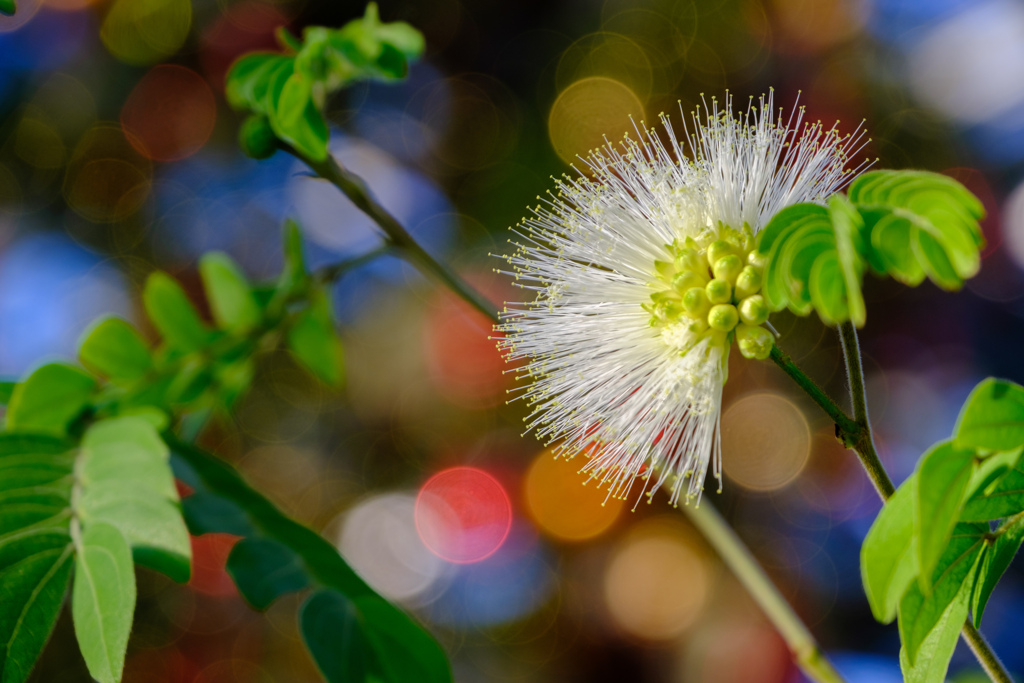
(118, 156)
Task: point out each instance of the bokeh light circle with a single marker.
(562, 505)
(658, 581)
(766, 442)
(463, 514)
(379, 539)
(170, 113)
(588, 111)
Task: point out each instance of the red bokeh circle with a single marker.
(463, 514)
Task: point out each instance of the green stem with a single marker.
(353, 187)
(744, 565)
(844, 424)
(864, 442)
(985, 654)
(856, 434)
(805, 650)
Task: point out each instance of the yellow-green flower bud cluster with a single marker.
(715, 291)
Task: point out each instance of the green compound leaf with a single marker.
(331, 629)
(128, 483)
(994, 564)
(264, 570)
(288, 90)
(49, 399)
(888, 557)
(113, 348)
(920, 613)
(103, 600)
(936, 650)
(231, 298)
(173, 315)
(943, 475)
(314, 341)
(992, 418)
(920, 223)
(814, 262)
(398, 647)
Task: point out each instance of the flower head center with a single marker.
(711, 290)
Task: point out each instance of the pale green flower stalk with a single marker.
(644, 275)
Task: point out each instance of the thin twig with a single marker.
(744, 565)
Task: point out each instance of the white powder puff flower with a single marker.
(645, 274)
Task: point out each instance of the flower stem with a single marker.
(863, 442)
(353, 187)
(856, 434)
(735, 554)
(737, 557)
(985, 654)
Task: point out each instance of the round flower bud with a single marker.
(723, 317)
(748, 282)
(719, 291)
(727, 267)
(757, 260)
(683, 281)
(718, 249)
(754, 310)
(689, 259)
(256, 138)
(754, 342)
(696, 302)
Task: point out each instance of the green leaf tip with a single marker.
(8, 8)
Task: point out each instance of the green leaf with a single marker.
(814, 262)
(114, 349)
(919, 613)
(248, 79)
(49, 399)
(321, 558)
(35, 546)
(848, 226)
(294, 116)
(391, 633)
(391, 63)
(313, 340)
(103, 600)
(332, 632)
(231, 299)
(206, 513)
(31, 594)
(995, 563)
(128, 483)
(264, 570)
(7, 7)
(928, 216)
(992, 418)
(937, 648)
(1002, 497)
(295, 273)
(888, 557)
(173, 315)
(6, 391)
(405, 652)
(943, 474)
